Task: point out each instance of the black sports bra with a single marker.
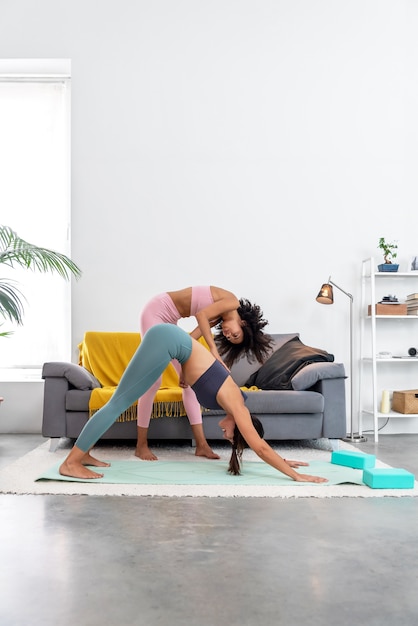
(207, 386)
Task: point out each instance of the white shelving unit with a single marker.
(374, 286)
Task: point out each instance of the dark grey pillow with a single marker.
(284, 363)
(76, 375)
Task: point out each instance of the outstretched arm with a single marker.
(268, 455)
(230, 398)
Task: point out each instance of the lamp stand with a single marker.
(355, 438)
(351, 437)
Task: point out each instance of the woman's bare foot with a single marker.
(90, 460)
(206, 450)
(144, 453)
(75, 469)
(74, 465)
(202, 446)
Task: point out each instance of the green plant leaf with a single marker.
(11, 306)
(15, 251)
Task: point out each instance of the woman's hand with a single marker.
(182, 382)
(305, 478)
(296, 463)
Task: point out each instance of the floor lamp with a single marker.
(326, 296)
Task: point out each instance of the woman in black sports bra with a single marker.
(213, 386)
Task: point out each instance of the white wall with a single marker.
(21, 409)
(260, 145)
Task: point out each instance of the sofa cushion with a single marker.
(277, 371)
(311, 373)
(285, 401)
(280, 402)
(77, 400)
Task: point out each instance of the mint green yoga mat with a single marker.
(208, 473)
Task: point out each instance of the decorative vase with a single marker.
(388, 267)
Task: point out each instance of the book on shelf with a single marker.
(410, 305)
(412, 312)
(412, 296)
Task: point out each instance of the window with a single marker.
(35, 202)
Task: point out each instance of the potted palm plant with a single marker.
(389, 253)
(15, 251)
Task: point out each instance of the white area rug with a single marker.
(20, 477)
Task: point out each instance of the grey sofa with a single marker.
(313, 408)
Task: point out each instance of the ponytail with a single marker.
(238, 446)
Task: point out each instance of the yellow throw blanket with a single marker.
(106, 355)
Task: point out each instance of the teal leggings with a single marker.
(160, 345)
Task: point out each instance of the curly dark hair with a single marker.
(256, 344)
(239, 444)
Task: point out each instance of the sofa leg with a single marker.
(54, 443)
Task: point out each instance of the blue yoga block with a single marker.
(388, 478)
(358, 460)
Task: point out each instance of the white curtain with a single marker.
(35, 202)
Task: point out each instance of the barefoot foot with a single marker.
(206, 450)
(90, 460)
(74, 469)
(144, 453)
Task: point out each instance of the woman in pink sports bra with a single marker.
(239, 327)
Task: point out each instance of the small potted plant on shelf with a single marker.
(389, 253)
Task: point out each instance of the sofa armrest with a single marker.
(76, 375)
(335, 413)
(59, 378)
(329, 380)
(54, 423)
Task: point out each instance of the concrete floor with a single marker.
(118, 561)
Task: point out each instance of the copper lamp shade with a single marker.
(326, 294)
